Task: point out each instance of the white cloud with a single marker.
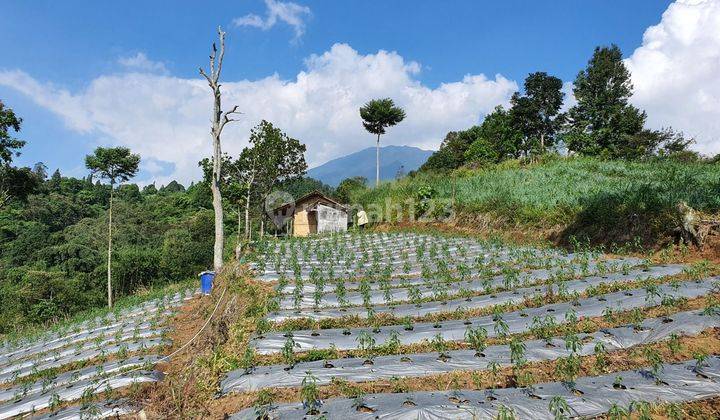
(569, 100)
(291, 13)
(675, 72)
(60, 101)
(166, 119)
(140, 62)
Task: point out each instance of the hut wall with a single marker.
(330, 219)
(304, 223)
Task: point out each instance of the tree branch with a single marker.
(202, 72)
(221, 35)
(227, 119)
(212, 62)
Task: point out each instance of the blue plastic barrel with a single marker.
(206, 281)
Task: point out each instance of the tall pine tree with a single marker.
(603, 122)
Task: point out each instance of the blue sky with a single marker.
(64, 48)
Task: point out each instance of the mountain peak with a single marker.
(362, 163)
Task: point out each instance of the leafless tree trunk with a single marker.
(219, 119)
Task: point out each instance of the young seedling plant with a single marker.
(477, 339)
(310, 394)
(288, 351)
(439, 344)
(264, 404)
(559, 408)
(366, 346)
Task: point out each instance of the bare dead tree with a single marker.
(219, 120)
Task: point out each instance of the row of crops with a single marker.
(439, 320)
(86, 369)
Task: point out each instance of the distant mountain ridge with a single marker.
(362, 163)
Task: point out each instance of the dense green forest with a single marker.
(54, 243)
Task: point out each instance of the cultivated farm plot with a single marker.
(74, 372)
(428, 312)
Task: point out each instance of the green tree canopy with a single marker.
(535, 113)
(603, 122)
(9, 145)
(451, 154)
(377, 115)
(116, 164)
(348, 185)
(497, 139)
(493, 141)
(15, 183)
(271, 158)
(172, 187)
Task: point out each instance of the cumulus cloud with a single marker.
(166, 119)
(141, 62)
(290, 13)
(675, 72)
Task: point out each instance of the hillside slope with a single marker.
(579, 198)
(362, 163)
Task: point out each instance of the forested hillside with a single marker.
(53, 245)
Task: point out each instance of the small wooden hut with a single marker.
(313, 213)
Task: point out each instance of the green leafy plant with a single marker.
(408, 324)
(288, 350)
(641, 409)
(501, 327)
(559, 408)
(310, 394)
(517, 352)
(439, 344)
(674, 344)
(700, 360)
(617, 412)
(656, 363)
(392, 344)
(264, 404)
(477, 339)
(568, 367)
(505, 413)
(600, 356)
(366, 345)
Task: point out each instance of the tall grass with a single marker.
(563, 191)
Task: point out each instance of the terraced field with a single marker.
(406, 325)
(84, 370)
